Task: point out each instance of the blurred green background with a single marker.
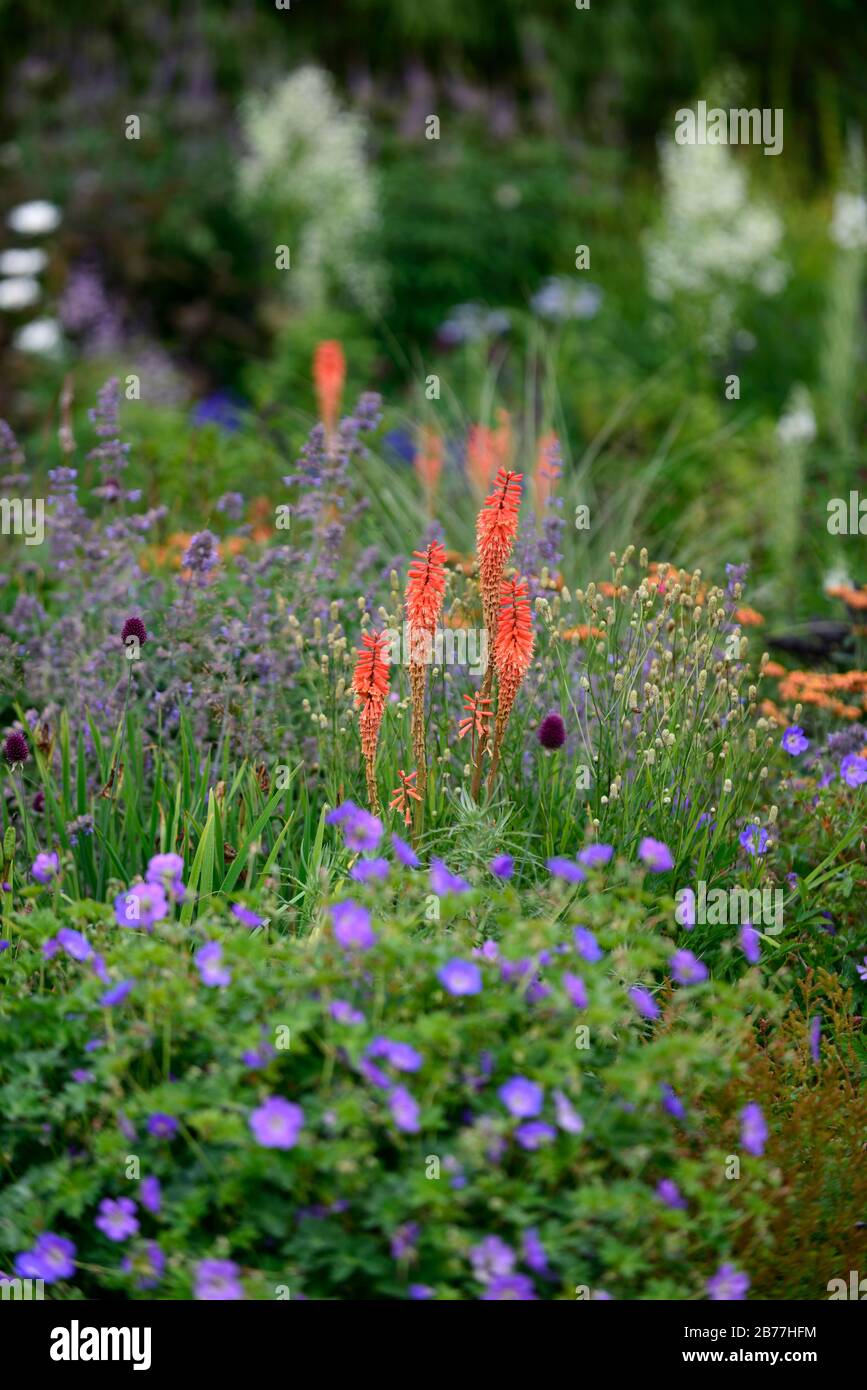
(256, 128)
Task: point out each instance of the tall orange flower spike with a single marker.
(496, 528)
(370, 684)
(487, 451)
(401, 796)
(329, 374)
(513, 652)
(425, 589)
(428, 463)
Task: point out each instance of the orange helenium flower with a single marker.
(370, 684)
(329, 374)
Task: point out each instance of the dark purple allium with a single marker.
(15, 749)
(551, 733)
(134, 627)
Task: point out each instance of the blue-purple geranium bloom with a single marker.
(594, 856)
(503, 866)
(522, 1097)
(218, 1280)
(45, 867)
(853, 770)
(404, 853)
(443, 881)
(352, 928)
(245, 915)
(162, 1126)
(670, 1194)
(117, 1218)
(74, 943)
(370, 871)
(52, 1258)
(141, 905)
(687, 969)
(794, 742)
(405, 1110)
(576, 990)
(116, 994)
(460, 977)
(728, 1285)
(587, 946)
(749, 943)
(277, 1123)
(754, 1130)
(208, 961)
(644, 1002)
(567, 869)
(754, 839)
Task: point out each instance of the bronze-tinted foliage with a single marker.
(817, 1113)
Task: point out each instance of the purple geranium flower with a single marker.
(503, 866)
(567, 869)
(404, 852)
(117, 1219)
(150, 1194)
(534, 1133)
(754, 839)
(45, 867)
(218, 1280)
(684, 913)
(668, 1192)
(405, 1110)
(343, 1012)
(728, 1285)
(141, 905)
(51, 1258)
(576, 990)
(420, 1292)
(566, 1115)
(162, 1126)
(815, 1036)
(166, 870)
(522, 1097)
(587, 946)
(370, 870)
(352, 929)
(443, 881)
(148, 1264)
(362, 832)
(277, 1123)
(687, 969)
(244, 914)
(460, 977)
(862, 971)
(655, 855)
(514, 1287)
(74, 943)
(672, 1103)
(644, 1002)
(492, 1258)
(116, 994)
(853, 770)
(754, 1131)
(534, 1251)
(749, 943)
(208, 961)
(794, 742)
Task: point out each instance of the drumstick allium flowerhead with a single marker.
(134, 627)
(329, 374)
(15, 749)
(370, 685)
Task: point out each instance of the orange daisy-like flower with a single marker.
(329, 374)
(400, 797)
(425, 587)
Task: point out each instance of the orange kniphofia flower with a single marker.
(329, 374)
(428, 461)
(496, 528)
(425, 587)
(513, 649)
(400, 797)
(487, 451)
(475, 715)
(370, 684)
